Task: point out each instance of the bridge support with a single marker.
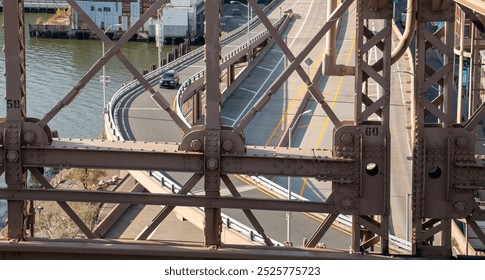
(444, 161)
(231, 73)
(370, 134)
(15, 174)
(212, 135)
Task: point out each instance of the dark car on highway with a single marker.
(170, 79)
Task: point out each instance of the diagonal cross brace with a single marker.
(294, 64)
(114, 49)
(148, 230)
(478, 231)
(74, 217)
(322, 229)
(249, 214)
(476, 118)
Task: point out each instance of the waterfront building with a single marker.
(180, 18)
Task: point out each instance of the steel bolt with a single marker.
(195, 145)
(347, 138)
(12, 156)
(460, 206)
(462, 142)
(347, 203)
(227, 145)
(29, 137)
(212, 164)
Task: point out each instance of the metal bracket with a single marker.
(375, 9)
(445, 150)
(436, 10)
(231, 142)
(366, 144)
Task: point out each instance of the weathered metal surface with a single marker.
(368, 199)
(446, 171)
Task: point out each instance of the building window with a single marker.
(107, 9)
(92, 8)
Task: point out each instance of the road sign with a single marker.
(309, 61)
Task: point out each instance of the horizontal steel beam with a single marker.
(112, 155)
(474, 5)
(169, 200)
(68, 153)
(121, 249)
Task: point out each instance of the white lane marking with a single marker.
(245, 89)
(233, 46)
(279, 62)
(227, 118)
(140, 109)
(264, 68)
(402, 95)
(275, 50)
(192, 66)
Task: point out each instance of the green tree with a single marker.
(88, 178)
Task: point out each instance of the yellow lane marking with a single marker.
(301, 90)
(325, 124)
(312, 216)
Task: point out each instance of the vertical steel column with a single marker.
(369, 199)
(230, 75)
(460, 67)
(360, 90)
(475, 70)
(15, 175)
(359, 59)
(213, 221)
(448, 62)
(435, 201)
(419, 152)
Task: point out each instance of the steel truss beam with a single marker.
(169, 200)
(35, 248)
(15, 175)
(360, 178)
(444, 152)
(65, 153)
(35, 147)
(294, 66)
(370, 195)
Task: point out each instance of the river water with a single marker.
(54, 66)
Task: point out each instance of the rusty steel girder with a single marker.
(446, 171)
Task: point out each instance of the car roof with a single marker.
(171, 71)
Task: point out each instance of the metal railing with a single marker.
(229, 222)
(344, 220)
(199, 75)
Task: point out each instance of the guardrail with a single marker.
(227, 220)
(341, 219)
(181, 98)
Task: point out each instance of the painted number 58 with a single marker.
(13, 104)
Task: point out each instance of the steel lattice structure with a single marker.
(360, 146)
